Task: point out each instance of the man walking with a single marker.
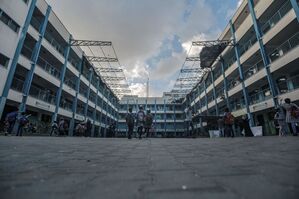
(189, 122)
(140, 121)
(130, 120)
(228, 123)
(23, 121)
(10, 120)
(148, 122)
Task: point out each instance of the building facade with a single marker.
(168, 116)
(51, 79)
(259, 71)
(44, 75)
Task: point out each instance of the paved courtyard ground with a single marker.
(68, 167)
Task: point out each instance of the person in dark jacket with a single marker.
(10, 119)
(244, 124)
(88, 128)
(130, 120)
(23, 121)
(148, 122)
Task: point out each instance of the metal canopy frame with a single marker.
(101, 59)
(90, 43)
(101, 54)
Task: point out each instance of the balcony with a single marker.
(285, 8)
(284, 48)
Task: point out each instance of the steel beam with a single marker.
(88, 93)
(90, 43)
(295, 6)
(62, 77)
(109, 78)
(241, 74)
(95, 109)
(225, 84)
(110, 70)
(213, 43)
(191, 70)
(101, 59)
(206, 96)
(75, 102)
(214, 93)
(15, 58)
(192, 59)
(263, 52)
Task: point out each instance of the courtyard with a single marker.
(70, 167)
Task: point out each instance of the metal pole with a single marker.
(296, 8)
(75, 103)
(225, 84)
(214, 93)
(244, 89)
(88, 93)
(263, 52)
(95, 109)
(62, 76)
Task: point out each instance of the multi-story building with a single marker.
(168, 116)
(45, 74)
(259, 70)
(52, 79)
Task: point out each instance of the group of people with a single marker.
(16, 120)
(62, 128)
(287, 117)
(141, 120)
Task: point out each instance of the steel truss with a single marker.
(110, 70)
(90, 43)
(101, 59)
(114, 76)
(213, 43)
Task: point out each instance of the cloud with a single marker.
(139, 29)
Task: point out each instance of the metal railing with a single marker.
(276, 17)
(54, 43)
(70, 83)
(260, 96)
(280, 51)
(46, 66)
(254, 69)
(43, 95)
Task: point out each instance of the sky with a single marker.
(151, 37)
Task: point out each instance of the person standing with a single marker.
(140, 121)
(61, 127)
(130, 120)
(281, 120)
(245, 125)
(88, 127)
(10, 120)
(148, 122)
(23, 121)
(292, 117)
(188, 121)
(220, 123)
(54, 128)
(228, 123)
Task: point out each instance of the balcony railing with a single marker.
(41, 62)
(260, 96)
(66, 105)
(285, 8)
(54, 43)
(70, 83)
(265, 28)
(254, 69)
(284, 48)
(41, 94)
(44, 95)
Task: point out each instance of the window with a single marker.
(4, 60)
(8, 21)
